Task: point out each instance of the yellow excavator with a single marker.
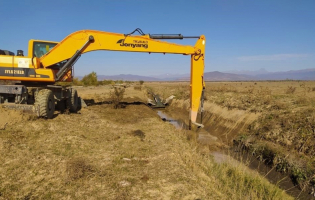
(48, 62)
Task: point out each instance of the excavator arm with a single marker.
(84, 41)
(99, 40)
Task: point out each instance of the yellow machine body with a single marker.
(26, 68)
(45, 58)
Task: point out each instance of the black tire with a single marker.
(79, 104)
(45, 104)
(73, 101)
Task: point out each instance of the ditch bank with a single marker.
(226, 136)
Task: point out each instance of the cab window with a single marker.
(41, 48)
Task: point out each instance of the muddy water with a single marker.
(179, 124)
(234, 157)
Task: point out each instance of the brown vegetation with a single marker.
(273, 120)
(107, 153)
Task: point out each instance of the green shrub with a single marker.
(90, 79)
(77, 82)
(116, 96)
(106, 82)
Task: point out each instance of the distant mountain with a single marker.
(131, 77)
(304, 74)
(262, 74)
(127, 77)
(169, 77)
(217, 76)
(248, 72)
(220, 76)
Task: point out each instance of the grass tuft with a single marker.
(78, 168)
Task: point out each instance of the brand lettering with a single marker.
(135, 44)
(14, 71)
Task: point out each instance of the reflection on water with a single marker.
(177, 123)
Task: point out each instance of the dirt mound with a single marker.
(10, 117)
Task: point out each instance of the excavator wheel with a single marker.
(45, 103)
(73, 100)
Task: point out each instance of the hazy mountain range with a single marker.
(262, 74)
(127, 77)
(247, 72)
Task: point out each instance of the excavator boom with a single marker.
(110, 42)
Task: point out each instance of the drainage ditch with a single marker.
(233, 155)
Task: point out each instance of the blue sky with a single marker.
(278, 35)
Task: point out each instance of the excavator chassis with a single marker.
(41, 100)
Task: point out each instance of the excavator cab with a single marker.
(40, 48)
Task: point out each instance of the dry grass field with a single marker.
(126, 153)
(275, 121)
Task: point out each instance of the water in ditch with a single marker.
(234, 156)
